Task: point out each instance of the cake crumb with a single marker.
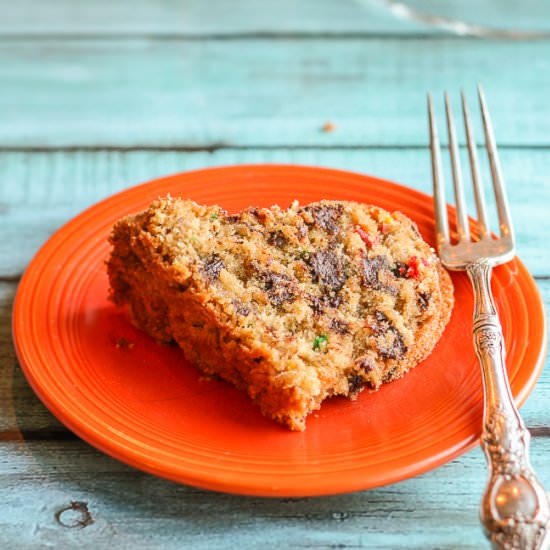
(123, 343)
(328, 127)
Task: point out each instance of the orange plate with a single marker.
(145, 405)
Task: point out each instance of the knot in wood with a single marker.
(74, 516)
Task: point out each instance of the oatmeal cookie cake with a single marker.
(291, 306)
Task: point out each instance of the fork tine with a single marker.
(462, 225)
(506, 229)
(476, 176)
(441, 224)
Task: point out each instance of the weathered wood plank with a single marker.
(238, 17)
(204, 93)
(41, 191)
(197, 18)
(535, 411)
(38, 480)
(20, 409)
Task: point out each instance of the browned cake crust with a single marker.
(291, 306)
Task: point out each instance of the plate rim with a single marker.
(215, 482)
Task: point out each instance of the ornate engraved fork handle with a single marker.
(515, 509)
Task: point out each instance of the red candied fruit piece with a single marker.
(413, 267)
(369, 240)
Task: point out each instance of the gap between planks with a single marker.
(228, 37)
(216, 147)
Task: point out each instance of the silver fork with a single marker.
(515, 508)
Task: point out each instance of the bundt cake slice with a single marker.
(291, 306)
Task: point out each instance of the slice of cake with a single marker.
(291, 306)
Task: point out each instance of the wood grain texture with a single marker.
(241, 17)
(41, 191)
(198, 18)
(260, 92)
(129, 509)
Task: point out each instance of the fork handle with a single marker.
(515, 508)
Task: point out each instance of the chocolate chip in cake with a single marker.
(328, 268)
(326, 216)
(355, 383)
(376, 274)
(302, 232)
(240, 308)
(370, 384)
(395, 348)
(333, 299)
(424, 300)
(414, 229)
(371, 267)
(400, 270)
(338, 325)
(276, 238)
(317, 305)
(261, 214)
(389, 376)
(366, 363)
(320, 303)
(279, 288)
(213, 265)
(381, 324)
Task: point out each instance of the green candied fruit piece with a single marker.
(320, 341)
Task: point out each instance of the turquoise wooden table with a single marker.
(98, 96)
